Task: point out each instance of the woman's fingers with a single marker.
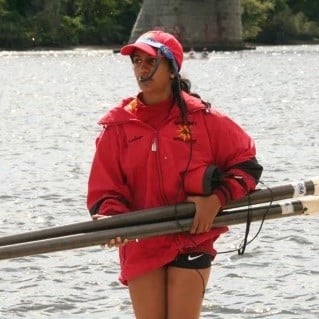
(98, 216)
(116, 242)
(200, 228)
(207, 207)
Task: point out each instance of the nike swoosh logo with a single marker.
(194, 257)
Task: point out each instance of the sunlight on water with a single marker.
(50, 102)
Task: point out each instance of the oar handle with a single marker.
(276, 193)
(311, 205)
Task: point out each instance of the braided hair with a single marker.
(180, 84)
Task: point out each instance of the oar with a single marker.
(122, 220)
(302, 188)
(307, 205)
(271, 194)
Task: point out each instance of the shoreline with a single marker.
(116, 47)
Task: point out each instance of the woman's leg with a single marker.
(185, 292)
(148, 295)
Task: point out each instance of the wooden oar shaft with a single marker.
(303, 188)
(160, 228)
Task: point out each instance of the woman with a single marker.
(163, 147)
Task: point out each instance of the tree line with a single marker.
(61, 23)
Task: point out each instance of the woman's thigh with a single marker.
(185, 292)
(148, 295)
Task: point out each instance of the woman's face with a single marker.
(160, 83)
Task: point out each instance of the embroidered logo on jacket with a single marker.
(132, 106)
(184, 133)
(134, 139)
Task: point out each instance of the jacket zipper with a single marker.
(154, 148)
(154, 145)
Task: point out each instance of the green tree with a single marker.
(34, 23)
(286, 25)
(28, 23)
(12, 24)
(254, 17)
(310, 8)
(107, 21)
(279, 21)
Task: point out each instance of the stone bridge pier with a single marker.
(213, 24)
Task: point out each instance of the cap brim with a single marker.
(130, 48)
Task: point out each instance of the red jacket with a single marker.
(137, 166)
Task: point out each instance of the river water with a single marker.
(50, 102)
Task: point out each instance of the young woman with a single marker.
(163, 147)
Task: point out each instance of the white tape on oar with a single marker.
(300, 189)
(287, 208)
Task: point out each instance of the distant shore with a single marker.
(116, 47)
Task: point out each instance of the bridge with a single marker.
(213, 24)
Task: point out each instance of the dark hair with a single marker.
(180, 84)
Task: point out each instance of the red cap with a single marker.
(151, 41)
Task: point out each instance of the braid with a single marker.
(177, 88)
(180, 84)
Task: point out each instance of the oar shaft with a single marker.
(134, 218)
(276, 193)
(310, 187)
(238, 216)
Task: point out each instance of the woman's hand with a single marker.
(207, 207)
(116, 242)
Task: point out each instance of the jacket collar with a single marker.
(124, 112)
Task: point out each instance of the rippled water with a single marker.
(50, 102)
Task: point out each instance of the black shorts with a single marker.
(192, 261)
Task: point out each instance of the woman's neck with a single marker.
(153, 99)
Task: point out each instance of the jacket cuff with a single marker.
(222, 197)
(203, 180)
